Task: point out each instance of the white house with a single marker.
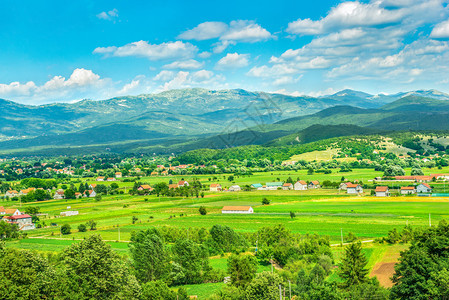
(24, 222)
(272, 186)
(423, 188)
(344, 185)
(353, 188)
(300, 185)
(100, 178)
(407, 190)
(118, 174)
(12, 193)
(215, 187)
(234, 188)
(90, 193)
(315, 184)
(237, 210)
(382, 191)
(9, 211)
(183, 183)
(59, 194)
(287, 186)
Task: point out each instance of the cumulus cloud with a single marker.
(184, 79)
(233, 61)
(190, 64)
(154, 52)
(441, 30)
(108, 15)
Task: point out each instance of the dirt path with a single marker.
(384, 269)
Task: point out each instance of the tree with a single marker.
(264, 286)
(157, 290)
(353, 265)
(417, 171)
(392, 170)
(95, 271)
(114, 185)
(69, 194)
(65, 229)
(224, 239)
(422, 271)
(149, 255)
(98, 197)
(190, 262)
(82, 228)
(134, 219)
(292, 215)
(92, 224)
(242, 269)
(265, 201)
(202, 210)
(231, 178)
(8, 231)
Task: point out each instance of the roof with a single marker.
(352, 185)
(25, 216)
(236, 208)
(315, 182)
(275, 183)
(413, 177)
(287, 184)
(182, 182)
(13, 192)
(381, 188)
(172, 186)
(7, 210)
(302, 182)
(215, 184)
(256, 185)
(145, 186)
(426, 185)
(407, 188)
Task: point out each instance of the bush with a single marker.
(82, 228)
(203, 210)
(66, 229)
(265, 201)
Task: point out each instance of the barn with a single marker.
(237, 210)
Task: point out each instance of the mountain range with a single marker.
(181, 120)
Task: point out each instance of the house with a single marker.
(407, 190)
(344, 186)
(287, 186)
(78, 195)
(118, 174)
(100, 178)
(59, 194)
(237, 210)
(69, 213)
(26, 191)
(256, 185)
(164, 173)
(382, 191)
(271, 186)
(183, 183)
(111, 179)
(423, 188)
(354, 188)
(92, 186)
(417, 178)
(9, 211)
(300, 185)
(154, 173)
(12, 193)
(145, 187)
(24, 222)
(315, 184)
(215, 187)
(234, 188)
(90, 193)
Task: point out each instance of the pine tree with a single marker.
(353, 266)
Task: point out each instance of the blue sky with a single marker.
(66, 51)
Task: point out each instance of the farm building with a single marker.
(68, 213)
(90, 193)
(118, 174)
(237, 210)
(423, 188)
(256, 185)
(315, 184)
(11, 193)
(344, 186)
(59, 194)
(382, 191)
(215, 187)
(183, 183)
(353, 188)
(9, 211)
(144, 187)
(300, 185)
(271, 186)
(234, 188)
(100, 178)
(407, 190)
(287, 186)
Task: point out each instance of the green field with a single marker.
(322, 211)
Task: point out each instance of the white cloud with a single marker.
(246, 31)
(441, 30)
(347, 14)
(164, 75)
(129, 87)
(170, 50)
(190, 64)
(17, 89)
(233, 61)
(204, 31)
(202, 75)
(109, 15)
(204, 54)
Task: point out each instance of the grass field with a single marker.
(321, 211)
